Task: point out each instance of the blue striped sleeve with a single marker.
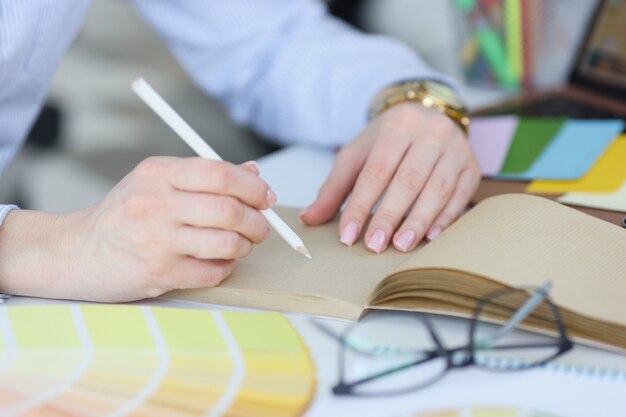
(284, 67)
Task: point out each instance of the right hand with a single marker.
(171, 223)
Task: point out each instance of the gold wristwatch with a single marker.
(431, 94)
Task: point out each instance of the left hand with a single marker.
(422, 163)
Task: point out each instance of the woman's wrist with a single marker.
(430, 94)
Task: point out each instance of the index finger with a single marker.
(370, 185)
(219, 177)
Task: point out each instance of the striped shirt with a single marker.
(286, 68)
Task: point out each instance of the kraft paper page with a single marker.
(527, 240)
(336, 282)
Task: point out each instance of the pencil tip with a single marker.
(302, 250)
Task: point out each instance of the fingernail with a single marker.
(377, 241)
(302, 214)
(434, 232)
(349, 234)
(254, 165)
(271, 198)
(406, 241)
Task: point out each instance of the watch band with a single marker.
(417, 91)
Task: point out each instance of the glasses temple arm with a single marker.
(524, 311)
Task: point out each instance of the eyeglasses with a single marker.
(386, 355)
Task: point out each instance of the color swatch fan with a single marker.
(141, 361)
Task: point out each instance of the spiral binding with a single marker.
(587, 371)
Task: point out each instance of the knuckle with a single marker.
(246, 248)
(261, 226)
(410, 178)
(441, 185)
(232, 212)
(378, 172)
(221, 173)
(358, 209)
(150, 167)
(231, 244)
(464, 194)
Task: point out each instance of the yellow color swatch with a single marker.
(135, 361)
(270, 332)
(107, 333)
(190, 330)
(606, 176)
(55, 328)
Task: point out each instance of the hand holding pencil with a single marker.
(171, 223)
(195, 142)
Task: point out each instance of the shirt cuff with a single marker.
(4, 210)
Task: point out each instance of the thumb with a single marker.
(336, 188)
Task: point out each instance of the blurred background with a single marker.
(94, 130)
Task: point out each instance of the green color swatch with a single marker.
(513, 18)
(531, 138)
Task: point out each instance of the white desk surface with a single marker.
(557, 392)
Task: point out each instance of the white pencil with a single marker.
(186, 133)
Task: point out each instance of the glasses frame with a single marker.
(466, 353)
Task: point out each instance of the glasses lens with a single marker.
(509, 345)
(388, 354)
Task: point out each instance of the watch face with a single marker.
(444, 93)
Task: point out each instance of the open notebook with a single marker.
(505, 241)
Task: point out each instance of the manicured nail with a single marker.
(253, 165)
(377, 241)
(406, 241)
(349, 234)
(434, 232)
(271, 198)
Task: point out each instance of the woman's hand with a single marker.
(416, 162)
(171, 223)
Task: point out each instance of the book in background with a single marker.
(521, 44)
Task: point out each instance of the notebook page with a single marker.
(527, 240)
(278, 278)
